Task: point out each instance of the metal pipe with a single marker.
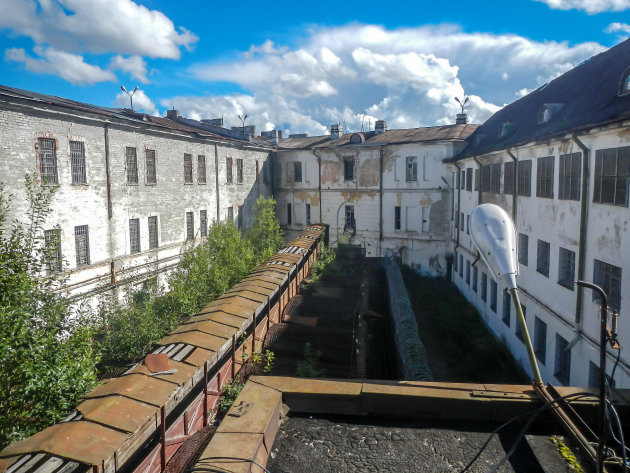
(108, 179)
(459, 201)
(603, 336)
(380, 200)
(526, 338)
(319, 181)
(579, 296)
(515, 183)
(216, 180)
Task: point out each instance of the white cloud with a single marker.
(134, 65)
(96, 26)
(70, 67)
(357, 73)
(617, 27)
(141, 102)
(589, 6)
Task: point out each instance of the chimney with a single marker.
(172, 114)
(461, 119)
(275, 135)
(213, 121)
(336, 131)
(380, 126)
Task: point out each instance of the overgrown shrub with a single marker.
(265, 234)
(47, 361)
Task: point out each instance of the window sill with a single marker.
(540, 272)
(567, 284)
(202, 183)
(80, 184)
(188, 183)
(133, 184)
(150, 183)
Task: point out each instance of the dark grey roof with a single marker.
(408, 135)
(582, 98)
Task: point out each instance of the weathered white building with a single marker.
(384, 189)
(131, 189)
(557, 160)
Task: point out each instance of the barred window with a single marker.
(518, 332)
(468, 272)
(48, 161)
(82, 244)
(239, 171)
(542, 261)
(569, 176)
(190, 226)
(474, 278)
(132, 165)
(507, 301)
(201, 169)
(469, 179)
(308, 214)
(412, 168)
(150, 167)
(493, 295)
(484, 287)
(397, 210)
(461, 266)
(477, 179)
(540, 340)
(134, 235)
(52, 244)
(228, 170)
(230, 214)
(203, 223)
(350, 224)
(544, 177)
(608, 277)
(524, 176)
(297, 171)
(562, 370)
(153, 232)
(77, 162)
(508, 177)
(188, 172)
(566, 268)
(612, 169)
(491, 178)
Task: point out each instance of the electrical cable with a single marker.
(214, 468)
(536, 411)
(611, 409)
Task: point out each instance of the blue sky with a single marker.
(298, 67)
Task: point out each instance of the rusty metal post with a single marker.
(162, 438)
(526, 339)
(233, 355)
(253, 332)
(205, 394)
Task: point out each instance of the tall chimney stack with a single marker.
(336, 131)
(380, 126)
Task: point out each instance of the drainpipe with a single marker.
(108, 179)
(479, 197)
(380, 203)
(319, 181)
(216, 180)
(459, 201)
(579, 296)
(515, 183)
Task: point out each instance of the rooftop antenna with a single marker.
(130, 94)
(462, 104)
(242, 119)
(494, 234)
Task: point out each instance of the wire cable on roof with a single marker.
(218, 468)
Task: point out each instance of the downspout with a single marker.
(216, 180)
(108, 179)
(479, 198)
(459, 201)
(515, 183)
(319, 181)
(579, 296)
(380, 201)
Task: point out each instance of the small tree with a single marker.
(265, 233)
(46, 358)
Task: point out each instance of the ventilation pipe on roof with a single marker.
(461, 119)
(172, 114)
(380, 127)
(336, 131)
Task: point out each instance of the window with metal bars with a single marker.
(397, 210)
(540, 340)
(82, 244)
(608, 277)
(77, 162)
(203, 223)
(612, 173)
(484, 286)
(151, 170)
(201, 169)
(297, 171)
(48, 162)
(517, 331)
(132, 165)
(491, 178)
(239, 171)
(134, 235)
(569, 176)
(562, 370)
(52, 244)
(228, 170)
(508, 177)
(230, 214)
(188, 172)
(469, 179)
(493, 295)
(544, 177)
(542, 260)
(153, 232)
(350, 224)
(474, 278)
(566, 268)
(190, 225)
(523, 248)
(524, 178)
(507, 301)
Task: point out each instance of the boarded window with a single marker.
(188, 172)
(82, 245)
(562, 369)
(612, 169)
(569, 176)
(134, 235)
(190, 225)
(608, 277)
(297, 171)
(544, 177)
(350, 224)
(201, 169)
(523, 248)
(132, 165)
(153, 232)
(239, 171)
(150, 166)
(507, 301)
(52, 243)
(540, 340)
(508, 177)
(397, 217)
(524, 177)
(542, 261)
(411, 169)
(228, 170)
(566, 268)
(48, 162)
(77, 162)
(203, 223)
(348, 169)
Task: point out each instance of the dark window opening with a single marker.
(308, 214)
(201, 169)
(230, 214)
(203, 223)
(566, 268)
(569, 175)
(132, 165)
(239, 171)
(397, 218)
(484, 287)
(48, 161)
(612, 169)
(297, 171)
(348, 169)
(411, 169)
(540, 340)
(190, 226)
(608, 277)
(350, 224)
(562, 370)
(82, 244)
(153, 232)
(289, 214)
(469, 179)
(188, 172)
(542, 262)
(474, 278)
(523, 249)
(508, 177)
(518, 332)
(134, 235)
(507, 301)
(493, 295)
(228, 170)
(150, 167)
(52, 243)
(544, 177)
(524, 177)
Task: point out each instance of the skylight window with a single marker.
(548, 111)
(624, 86)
